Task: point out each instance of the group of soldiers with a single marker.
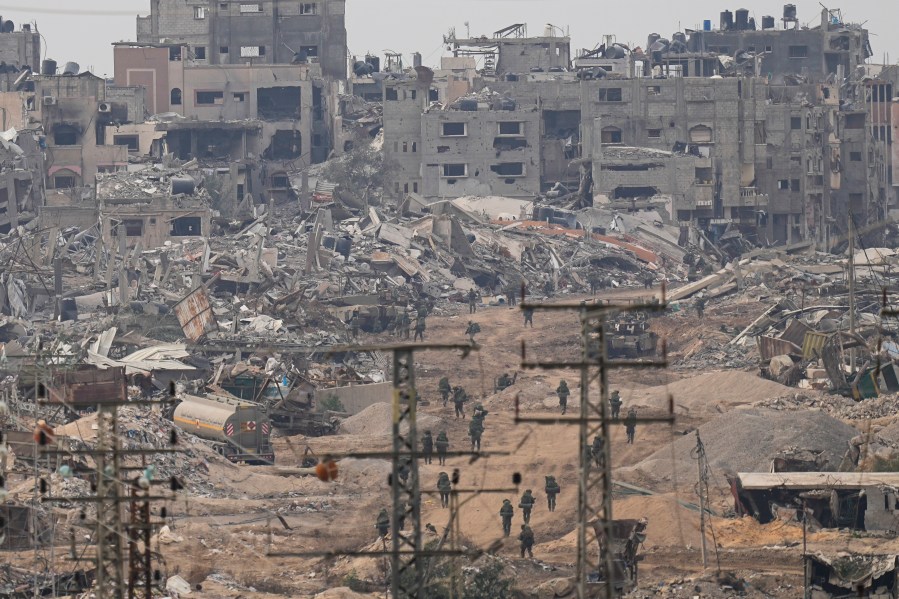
(428, 444)
(630, 421)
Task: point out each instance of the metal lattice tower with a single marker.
(110, 583)
(595, 484)
(140, 529)
(406, 566)
(595, 481)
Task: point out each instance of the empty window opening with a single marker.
(308, 8)
(240, 96)
(200, 52)
(280, 181)
(611, 135)
(175, 53)
(134, 227)
(761, 133)
(391, 94)
(610, 94)
(783, 184)
(433, 95)
(65, 135)
(414, 147)
(855, 121)
(223, 49)
(798, 51)
(278, 102)
(405, 146)
(632, 167)
(309, 51)
(186, 226)
(286, 145)
(64, 181)
(199, 12)
(704, 176)
(255, 7)
(654, 133)
(455, 170)
(443, 149)
(210, 98)
(510, 128)
(509, 169)
(509, 143)
(794, 185)
(132, 141)
(453, 129)
(701, 134)
(414, 187)
(654, 90)
(626, 192)
(796, 123)
(175, 97)
(855, 156)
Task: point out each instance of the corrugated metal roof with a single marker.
(816, 480)
(813, 343)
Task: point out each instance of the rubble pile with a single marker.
(747, 440)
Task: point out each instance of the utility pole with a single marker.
(110, 583)
(703, 480)
(851, 288)
(595, 483)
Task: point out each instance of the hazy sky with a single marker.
(83, 31)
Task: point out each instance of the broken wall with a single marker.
(356, 398)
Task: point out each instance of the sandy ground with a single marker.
(227, 543)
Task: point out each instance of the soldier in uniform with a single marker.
(526, 536)
(354, 324)
(444, 486)
(563, 393)
(512, 293)
(445, 389)
(472, 301)
(630, 425)
(552, 489)
(548, 288)
(506, 512)
(459, 399)
(504, 381)
(615, 404)
(527, 504)
(404, 471)
(528, 317)
(480, 412)
(472, 330)
(596, 452)
(427, 446)
(700, 307)
(404, 324)
(383, 523)
(419, 327)
(442, 447)
(475, 430)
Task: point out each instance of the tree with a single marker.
(359, 174)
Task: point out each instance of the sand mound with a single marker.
(377, 419)
(746, 441)
(707, 393)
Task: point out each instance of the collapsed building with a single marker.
(778, 133)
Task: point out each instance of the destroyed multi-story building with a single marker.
(781, 133)
(20, 49)
(223, 32)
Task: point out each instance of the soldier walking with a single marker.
(526, 536)
(459, 399)
(700, 307)
(596, 452)
(445, 389)
(472, 330)
(563, 393)
(442, 447)
(383, 523)
(615, 404)
(475, 430)
(506, 512)
(444, 486)
(405, 325)
(427, 446)
(630, 425)
(527, 504)
(472, 301)
(354, 324)
(552, 489)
